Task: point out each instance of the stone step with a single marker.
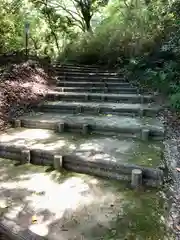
(79, 73)
(87, 78)
(100, 108)
(98, 97)
(98, 89)
(85, 69)
(102, 124)
(61, 83)
(79, 66)
(44, 144)
(73, 65)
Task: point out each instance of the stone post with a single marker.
(141, 112)
(136, 178)
(16, 123)
(103, 98)
(145, 134)
(58, 162)
(86, 97)
(60, 127)
(79, 109)
(141, 98)
(25, 156)
(105, 90)
(98, 110)
(85, 129)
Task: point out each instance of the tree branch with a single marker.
(70, 12)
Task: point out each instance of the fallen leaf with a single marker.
(34, 219)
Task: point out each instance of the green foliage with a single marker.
(175, 100)
(126, 30)
(112, 32)
(53, 24)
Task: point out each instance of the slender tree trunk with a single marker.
(88, 23)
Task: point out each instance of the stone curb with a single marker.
(80, 164)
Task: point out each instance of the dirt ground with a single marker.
(21, 86)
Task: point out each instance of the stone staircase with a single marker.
(92, 121)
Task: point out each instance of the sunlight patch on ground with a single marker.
(75, 206)
(90, 147)
(29, 134)
(58, 201)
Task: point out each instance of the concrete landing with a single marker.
(91, 148)
(103, 123)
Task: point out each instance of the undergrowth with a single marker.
(141, 38)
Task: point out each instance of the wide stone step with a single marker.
(98, 89)
(74, 65)
(97, 108)
(99, 97)
(87, 78)
(92, 84)
(94, 151)
(89, 74)
(102, 124)
(85, 69)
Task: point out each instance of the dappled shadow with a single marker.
(90, 147)
(77, 206)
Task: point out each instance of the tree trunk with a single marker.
(86, 13)
(88, 23)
